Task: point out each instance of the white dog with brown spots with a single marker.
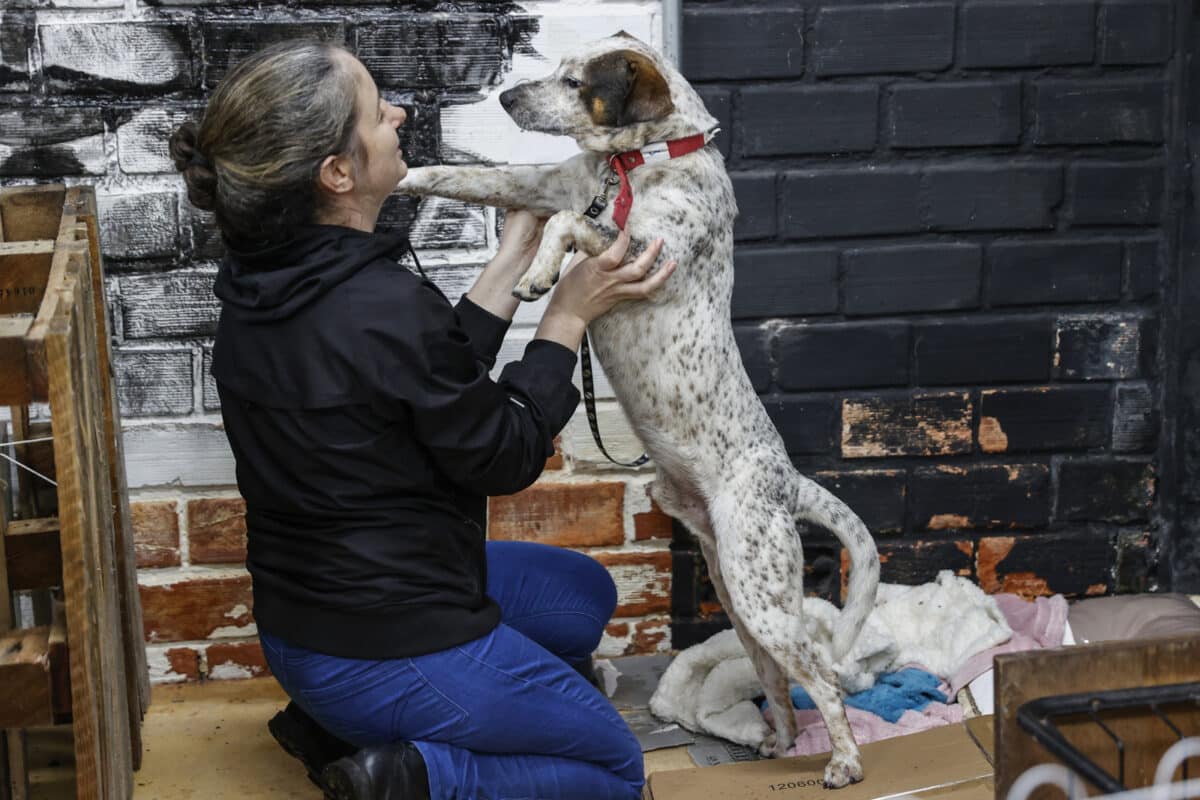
(722, 468)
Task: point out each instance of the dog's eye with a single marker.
(572, 83)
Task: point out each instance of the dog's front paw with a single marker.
(537, 280)
(842, 771)
(416, 182)
(530, 290)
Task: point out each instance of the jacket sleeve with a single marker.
(485, 329)
(489, 437)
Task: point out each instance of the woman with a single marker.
(368, 434)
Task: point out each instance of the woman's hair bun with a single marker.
(200, 178)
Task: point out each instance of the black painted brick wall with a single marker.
(952, 241)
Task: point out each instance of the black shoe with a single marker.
(301, 736)
(387, 772)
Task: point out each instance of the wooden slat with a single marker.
(18, 764)
(14, 389)
(119, 675)
(1021, 677)
(23, 279)
(60, 664)
(37, 360)
(40, 456)
(6, 610)
(31, 212)
(33, 555)
(5, 785)
(103, 757)
(137, 673)
(28, 248)
(78, 557)
(27, 495)
(33, 527)
(25, 678)
(51, 306)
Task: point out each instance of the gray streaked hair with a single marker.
(264, 133)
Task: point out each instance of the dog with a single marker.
(721, 466)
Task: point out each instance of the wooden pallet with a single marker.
(54, 346)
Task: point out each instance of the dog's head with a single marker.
(616, 94)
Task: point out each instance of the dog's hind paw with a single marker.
(841, 772)
(771, 747)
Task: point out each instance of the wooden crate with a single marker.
(1100, 666)
(54, 347)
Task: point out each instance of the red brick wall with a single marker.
(191, 550)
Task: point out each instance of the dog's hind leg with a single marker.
(770, 673)
(564, 230)
(763, 565)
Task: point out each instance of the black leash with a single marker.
(589, 404)
(599, 203)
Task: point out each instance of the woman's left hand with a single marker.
(521, 236)
(519, 242)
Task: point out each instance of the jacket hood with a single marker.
(277, 281)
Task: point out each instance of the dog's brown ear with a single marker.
(625, 87)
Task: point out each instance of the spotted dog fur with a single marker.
(722, 468)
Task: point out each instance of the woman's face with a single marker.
(381, 162)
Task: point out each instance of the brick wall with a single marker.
(1183, 551)
(89, 92)
(954, 241)
(954, 263)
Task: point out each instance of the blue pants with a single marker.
(503, 717)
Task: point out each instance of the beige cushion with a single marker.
(1134, 616)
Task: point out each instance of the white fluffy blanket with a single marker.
(709, 688)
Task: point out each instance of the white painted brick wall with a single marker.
(161, 250)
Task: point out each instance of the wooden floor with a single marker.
(210, 740)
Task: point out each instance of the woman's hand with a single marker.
(593, 286)
(521, 237)
(518, 245)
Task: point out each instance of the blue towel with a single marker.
(892, 694)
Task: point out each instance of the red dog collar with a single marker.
(623, 163)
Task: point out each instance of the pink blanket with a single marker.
(867, 727)
(1041, 623)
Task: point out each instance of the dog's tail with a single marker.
(817, 505)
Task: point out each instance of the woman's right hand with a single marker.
(594, 285)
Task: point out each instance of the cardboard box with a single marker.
(944, 763)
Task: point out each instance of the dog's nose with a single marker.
(507, 98)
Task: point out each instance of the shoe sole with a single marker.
(345, 780)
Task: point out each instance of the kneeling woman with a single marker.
(422, 661)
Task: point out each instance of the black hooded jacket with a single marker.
(368, 435)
